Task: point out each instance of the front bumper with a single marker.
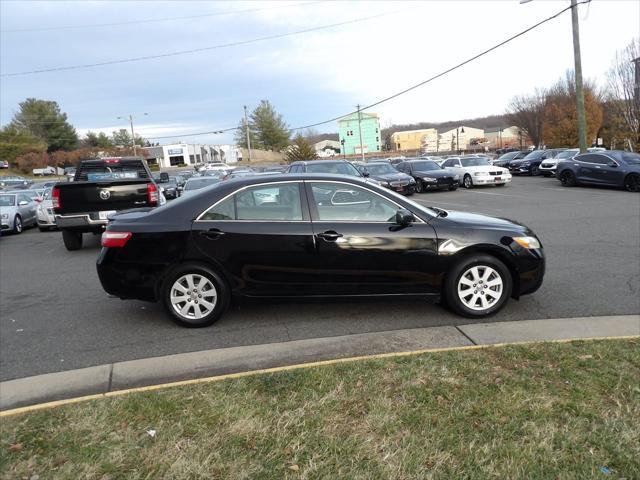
(441, 183)
(6, 225)
(492, 179)
(403, 188)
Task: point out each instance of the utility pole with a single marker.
(246, 127)
(582, 125)
(133, 136)
(360, 132)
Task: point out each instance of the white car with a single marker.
(548, 165)
(477, 171)
(44, 212)
(215, 166)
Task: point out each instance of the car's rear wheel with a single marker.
(17, 224)
(567, 179)
(72, 240)
(478, 286)
(419, 186)
(467, 182)
(632, 182)
(195, 295)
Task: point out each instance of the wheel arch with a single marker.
(501, 254)
(207, 263)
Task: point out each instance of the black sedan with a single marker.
(429, 175)
(614, 168)
(389, 177)
(313, 236)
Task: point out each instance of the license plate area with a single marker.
(105, 213)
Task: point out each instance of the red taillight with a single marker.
(152, 193)
(55, 198)
(111, 161)
(115, 239)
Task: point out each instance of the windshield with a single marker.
(7, 200)
(425, 166)
(508, 156)
(631, 158)
(535, 155)
(197, 183)
(340, 168)
(474, 162)
(380, 168)
(568, 154)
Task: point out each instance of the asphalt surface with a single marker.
(55, 316)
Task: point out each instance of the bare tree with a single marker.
(527, 113)
(623, 93)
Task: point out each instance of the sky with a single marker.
(309, 77)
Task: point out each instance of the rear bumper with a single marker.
(81, 221)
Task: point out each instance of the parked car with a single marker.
(429, 175)
(477, 171)
(548, 166)
(309, 236)
(238, 172)
(44, 212)
(338, 167)
(196, 183)
(43, 185)
(214, 166)
(17, 211)
(615, 168)
(44, 171)
(530, 165)
(33, 194)
(70, 172)
(389, 177)
(4, 164)
(505, 159)
(100, 188)
(170, 188)
(9, 181)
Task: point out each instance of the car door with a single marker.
(28, 210)
(604, 172)
(361, 251)
(587, 166)
(261, 236)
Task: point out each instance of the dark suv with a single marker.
(530, 165)
(338, 167)
(507, 158)
(615, 168)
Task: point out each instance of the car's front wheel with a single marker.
(535, 171)
(632, 182)
(567, 179)
(195, 295)
(419, 186)
(478, 286)
(17, 224)
(467, 182)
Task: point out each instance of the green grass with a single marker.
(547, 411)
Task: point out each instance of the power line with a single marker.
(154, 20)
(413, 87)
(202, 49)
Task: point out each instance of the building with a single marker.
(350, 133)
(425, 140)
(190, 154)
(327, 148)
(504, 137)
(461, 138)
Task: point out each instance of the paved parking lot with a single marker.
(55, 316)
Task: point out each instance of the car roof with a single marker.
(305, 162)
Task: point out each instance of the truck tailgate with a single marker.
(81, 197)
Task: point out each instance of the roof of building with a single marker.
(416, 131)
(354, 116)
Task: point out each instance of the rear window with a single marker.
(96, 172)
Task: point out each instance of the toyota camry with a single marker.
(313, 235)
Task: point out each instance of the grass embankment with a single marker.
(542, 411)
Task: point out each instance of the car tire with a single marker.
(206, 284)
(467, 181)
(478, 268)
(419, 186)
(567, 178)
(72, 240)
(17, 224)
(43, 229)
(632, 182)
(535, 171)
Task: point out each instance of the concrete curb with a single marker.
(94, 382)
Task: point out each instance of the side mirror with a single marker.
(365, 173)
(23, 203)
(611, 163)
(404, 217)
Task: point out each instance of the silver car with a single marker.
(44, 212)
(17, 211)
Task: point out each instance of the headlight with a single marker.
(477, 174)
(456, 177)
(429, 179)
(383, 183)
(527, 242)
(5, 215)
(525, 164)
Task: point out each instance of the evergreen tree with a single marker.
(44, 120)
(301, 149)
(267, 128)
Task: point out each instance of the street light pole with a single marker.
(360, 132)
(133, 135)
(246, 127)
(582, 125)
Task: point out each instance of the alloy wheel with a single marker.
(535, 171)
(467, 182)
(632, 183)
(566, 179)
(17, 225)
(193, 296)
(419, 186)
(480, 287)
